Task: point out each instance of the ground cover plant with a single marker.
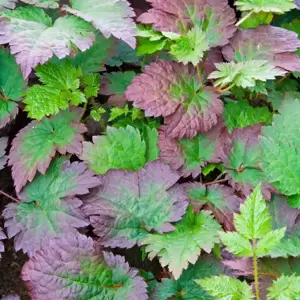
(156, 154)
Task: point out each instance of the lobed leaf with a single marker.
(2, 237)
(240, 114)
(33, 39)
(110, 17)
(11, 87)
(37, 143)
(120, 148)
(285, 287)
(183, 246)
(225, 287)
(129, 205)
(7, 4)
(43, 3)
(185, 286)
(48, 207)
(72, 267)
(215, 18)
(280, 149)
(173, 91)
(265, 43)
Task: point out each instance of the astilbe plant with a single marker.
(174, 134)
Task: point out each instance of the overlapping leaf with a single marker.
(219, 198)
(196, 232)
(61, 87)
(11, 87)
(243, 162)
(280, 145)
(130, 205)
(73, 268)
(48, 207)
(110, 17)
(173, 91)
(189, 156)
(273, 44)
(185, 287)
(3, 157)
(43, 3)
(240, 114)
(225, 287)
(34, 39)
(120, 148)
(2, 237)
(274, 6)
(215, 18)
(36, 144)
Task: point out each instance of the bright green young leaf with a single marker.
(37, 143)
(240, 114)
(185, 287)
(285, 288)
(96, 114)
(274, 6)
(254, 221)
(244, 74)
(280, 144)
(183, 246)
(11, 87)
(237, 244)
(117, 112)
(146, 46)
(91, 84)
(226, 288)
(120, 148)
(190, 47)
(256, 19)
(61, 86)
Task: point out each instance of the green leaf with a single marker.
(183, 246)
(254, 221)
(91, 83)
(185, 288)
(61, 86)
(211, 167)
(285, 288)
(256, 19)
(237, 244)
(274, 6)
(269, 242)
(240, 114)
(244, 74)
(120, 148)
(226, 288)
(11, 87)
(280, 144)
(117, 112)
(190, 47)
(146, 46)
(118, 81)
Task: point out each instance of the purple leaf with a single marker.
(266, 43)
(7, 4)
(2, 237)
(3, 157)
(173, 91)
(49, 208)
(129, 204)
(179, 15)
(10, 298)
(73, 267)
(36, 144)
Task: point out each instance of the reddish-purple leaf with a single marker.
(3, 157)
(73, 267)
(35, 145)
(49, 207)
(265, 42)
(179, 15)
(2, 237)
(173, 91)
(130, 204)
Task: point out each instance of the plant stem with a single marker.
(9, 197)
(200, 76)
(244, 19)
(255, 270)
